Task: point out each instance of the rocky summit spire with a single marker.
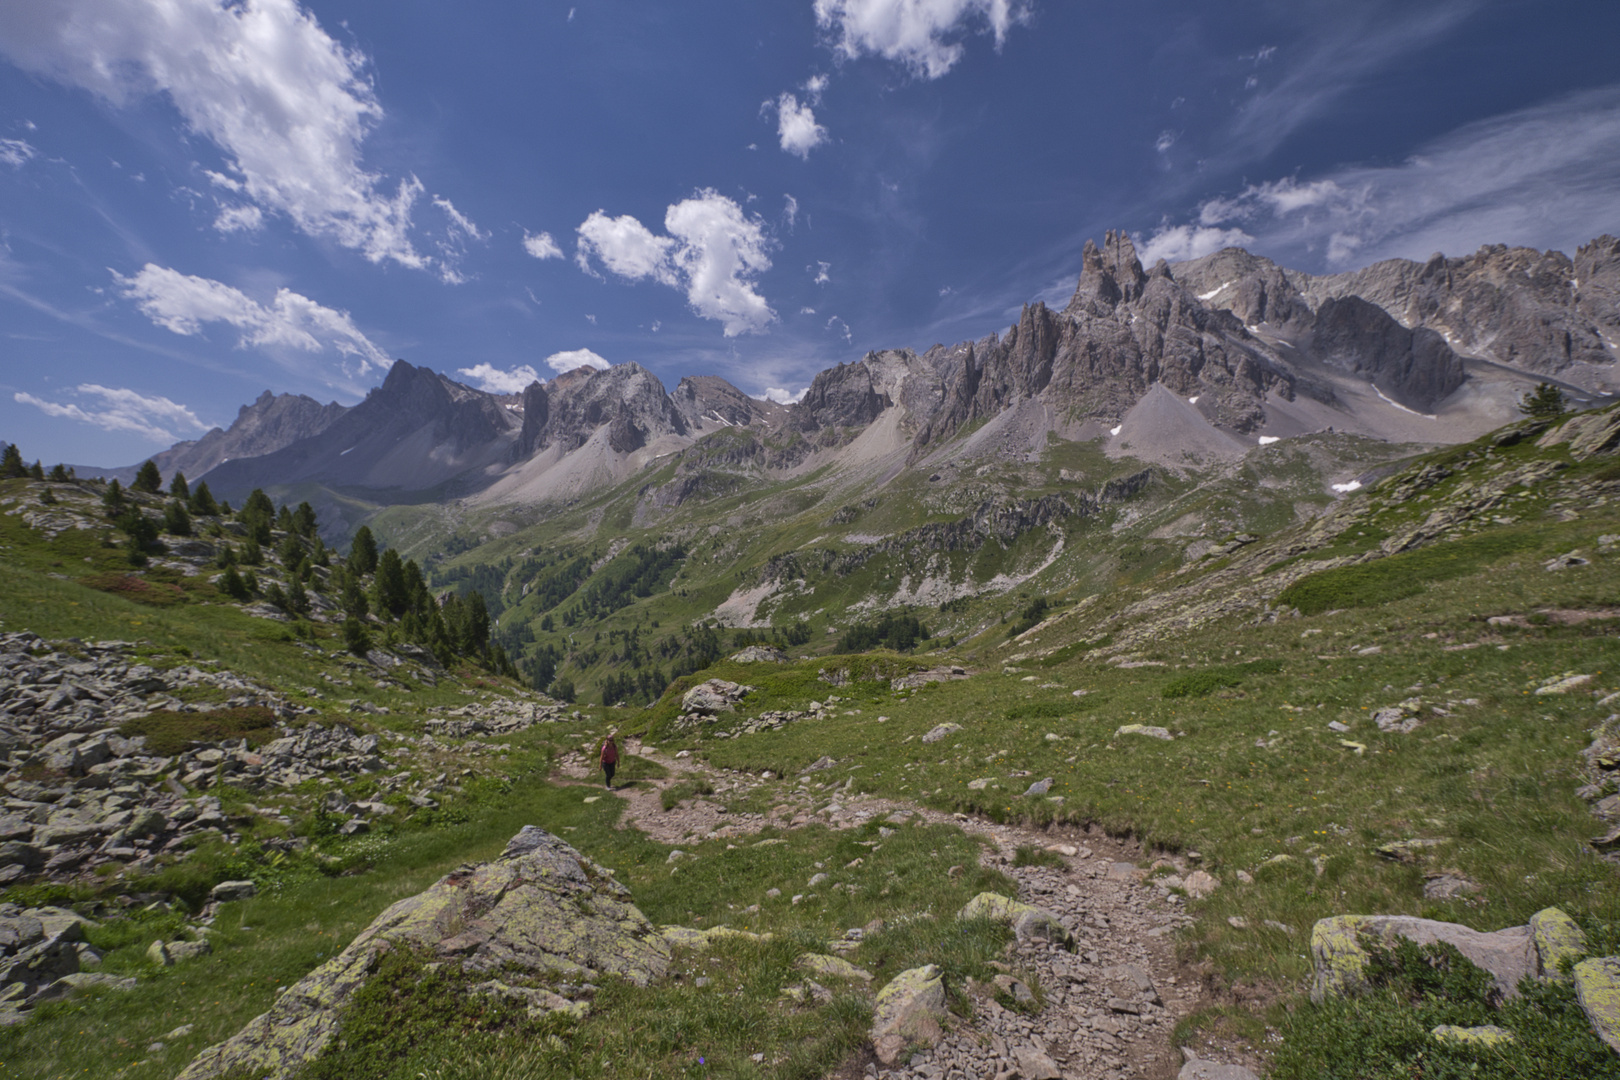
(1108, 277)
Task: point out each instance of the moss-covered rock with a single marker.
(1557, 939)
(1028, 922)
(908, 1012)
(540, 907)
(1597, 988)
(1486, 1035)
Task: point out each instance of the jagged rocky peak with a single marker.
(1255, 289)
(626, 398)
(270, 423)
(1108, 277)
(419, 394)
(1597, 285)
(840, 397)
(705, 401)
(1415, 368)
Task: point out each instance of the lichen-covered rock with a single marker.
(1509, 955)
(939, 731)
(1485, 1035)
(1144, 729)
(1557, 938)
(908, 1011)
(540, 906)
(686, 937)
(833, 966)
(1597, 988)
(1028, 922)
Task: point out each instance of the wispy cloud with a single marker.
(1545, 177)
(288, 105)
(16, 152)
(113, 409)
(1347, 45)
(922, 35)
(715, 252)
(182, 304)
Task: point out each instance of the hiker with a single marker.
(610, 757)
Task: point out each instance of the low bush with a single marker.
(169, 732)
(1206, 681)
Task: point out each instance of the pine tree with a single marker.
(178, 486)
(232, 585)
(176, 521)
(297, 598)
(252, 554)
(257, 514)
(389, 586)
(11, 463)
(303, 521)
(1544, 401)
(112, 500)
(37, 471)
(148, 480)
(59, 473)
(363, 552)
(202, 501)
(356, 638)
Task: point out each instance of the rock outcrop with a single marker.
(1415, 368)
(626, 399)
(909, 1010)
(1509, 954)
(541, 908)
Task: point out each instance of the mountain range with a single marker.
(1181, 365)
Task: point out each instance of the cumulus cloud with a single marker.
(493, 380)
(541, 246)
(116, 409)
(16, 152)
(785, 397)
(247, 218)
(796, 126)
(714, 251)
(626, 247)
(575, 358)
(286, 104)
(1180, 242)
(1546, 177)
(920, 34)
(182, 304)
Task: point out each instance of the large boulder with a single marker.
(713, 696)
(1597, 988)
(1340, 961)
(1557, 939)
(908, 1012)
(540, 907)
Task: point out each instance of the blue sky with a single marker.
(203, 199)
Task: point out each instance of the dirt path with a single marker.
(1110, 1006)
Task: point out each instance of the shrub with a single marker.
(169, 732)
(1208, 680)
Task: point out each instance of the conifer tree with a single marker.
(148, 480)
(202, 501)
(257, 514)
(363, 552)
(391, 593)
(303, 521)
(59, 473)
(37, 471)
(1544, 401)
(232, 585)
(11, 463)
(178, 486)
(112, 500)
(176, 521)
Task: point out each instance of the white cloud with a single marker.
(807, 311)
(821, 275)
(541, 246)
(16, 152)
(796, 127)
(459, 231)
(790, 211)
(917, 33)
(247, 218)
(840, 327)
(183, 304)
(114, 409)
(1545, 177)
(1180, 242)
(714, 251)
(1165, 141)
(492, 379)
(785, 397)
(815, 86)
(626, 247)
(286, 104)
(575, 358)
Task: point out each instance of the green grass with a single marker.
(1400, 576)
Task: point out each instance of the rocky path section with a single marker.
(1109, 1006)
